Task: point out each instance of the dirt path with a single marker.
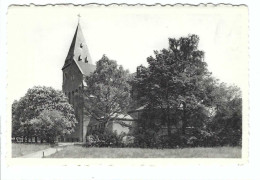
(47, 152)
(43, 153)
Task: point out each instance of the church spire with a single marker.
(79, 18)
(78, 51)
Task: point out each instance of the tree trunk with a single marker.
(36, 140)
(184, 120)
(168, 112)
(168, 123)
(41, 140)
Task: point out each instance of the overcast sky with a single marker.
(39, 39)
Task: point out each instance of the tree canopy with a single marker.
(177, 91)
(50, 124)
(108, 91)
(32, 105)
(172, 80)
(227, 122)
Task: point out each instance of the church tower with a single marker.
(78, 65)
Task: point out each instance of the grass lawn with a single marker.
(19, 149)
(83, 152)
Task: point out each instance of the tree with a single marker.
(50, 124)
(15, 120)
(108, 92)
(36, 100)
(172, 82)
(227, 122)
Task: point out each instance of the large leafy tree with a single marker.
(35, 101)
(172, 82)
(108, 91)
(50, 124)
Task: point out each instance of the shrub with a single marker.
(152, 139)
(104, 139)
(145, 138)
(128, 141)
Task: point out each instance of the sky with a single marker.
(38, 39)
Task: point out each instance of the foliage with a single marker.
(104, 139)
(149, 138)
(35, 101)
(128, 141)
(146, 138)
(227, 122)
(108, 92)
(224, 126)
(15, 120)
(178, 91)
(172, 81)
(50, 124)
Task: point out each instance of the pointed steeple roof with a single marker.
(79, 53)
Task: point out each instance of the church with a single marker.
(78, 64)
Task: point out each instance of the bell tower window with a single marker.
(79, 58)
(86, 59)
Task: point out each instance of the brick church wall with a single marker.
(72, 84)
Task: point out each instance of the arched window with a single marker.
(65, 76)
(86, 59)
